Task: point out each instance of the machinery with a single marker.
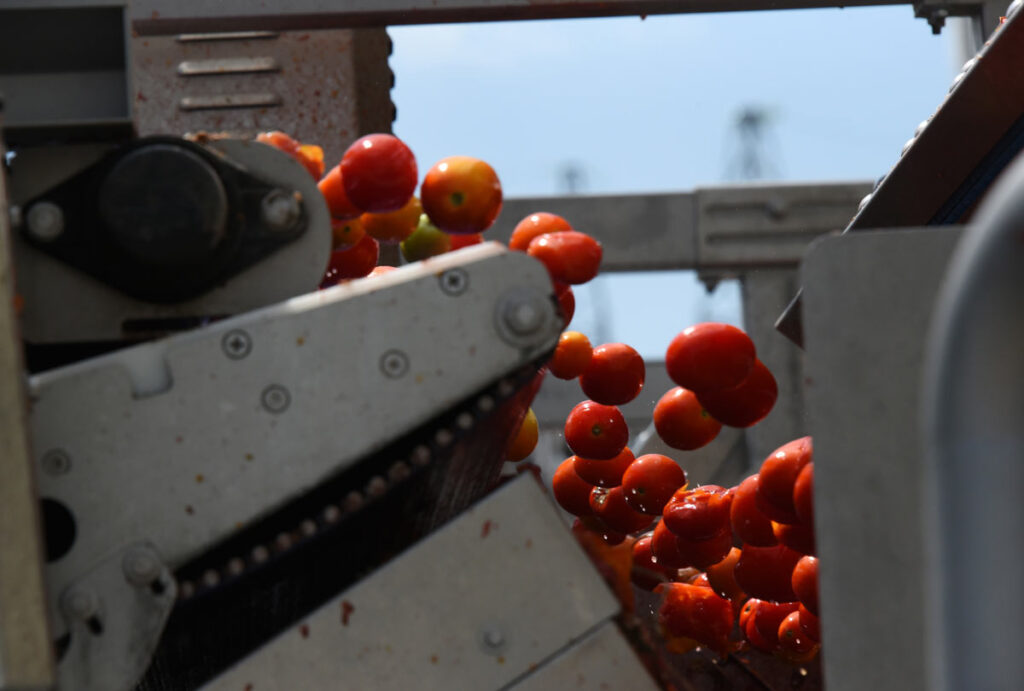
(216, 477)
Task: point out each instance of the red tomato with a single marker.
(805, 583)
(461, 195)
(379, 173)
(666, 548)
(778, 475)
(466, 240)
(748, 611)
(803, 494)
(596, 431)
(567, 303)
(765, 619)
(596, 526)
(796, 536)
(533, 225)
(710, 356)
(571, 356)
(696, 612)
(354, 262)
(722, 578)
(810, 624)
(346, 234)
(338, 203)
(749, 525)
(646, 572)
(765, 572)
(682, 422)
(570, 256)
(748, 403)
(571, 491)
(650, 481)
(614, 375)
(700, 554)
(699, 513)
(610, 506)
(701, 580)
(394, 226)
(795, 645)
(311, 157)
(604, 473)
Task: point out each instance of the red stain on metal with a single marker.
(249, 687)
(140, 97)
(304, 630)
(434, 659)
(346, 611)
(528, 544)
(189, 510)
(486, 529)
(303, 37)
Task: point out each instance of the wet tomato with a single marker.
(700, 554)
(748, 403)
(338, 203)
(650, 481)
(533, 225)
(379, 173)
(525, 440)
(722, 579)
(805, 583)
(461, 194)
(571, 491)
(346, 233)
(796, 536)
(596, 431)
(682, 422)
(700, 580)
(571, 356)
(803, 494)
(710, 356)
(646, 573)
(699, 513)
(794, 644)
(810, 623)
(394, 226)
(778, 475)
(749, 524)
(614, 375)
(570, 256)
(610, 506)
(764, 619)
(696, 612)
(604, 472)
(354, 262)
(666, 548)
(766, 572)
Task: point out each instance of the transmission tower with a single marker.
(750, 159)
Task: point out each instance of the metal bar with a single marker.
(177, 16)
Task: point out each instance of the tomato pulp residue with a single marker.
(486, 529)
(346, 611)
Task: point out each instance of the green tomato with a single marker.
(426, 241)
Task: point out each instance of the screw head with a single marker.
(454, 282)
(80, 603)
(524, 317)
(236, 344)
(492, 639)
(45, 221)
(56, 462)
(281, 210)
(275, 398)
(141, 567)
(394, 364)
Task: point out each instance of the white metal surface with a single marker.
(183, 441)
(64, 305)
(477, 605)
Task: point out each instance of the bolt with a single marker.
(141, 567)
(524, 317)
(275, 398)
(937, 20)
(864, 202)
(80, 603)
(906, 147)
(236, 344)
(45, 221)
(56, 462)
(394, 363)
(281, 210)
(454, 282)
(493, 639)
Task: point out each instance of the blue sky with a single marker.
(650, 105)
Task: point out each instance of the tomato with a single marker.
(571, 491)
(571, 356)
(753, 635)
(614, 375)
(566, 303)
(646, 572)
(650, 481)
(765, 572)
(764, 619)
(793, 644)
(696, 612)
(465, 240)
(311, 157)
(570, 256)
(700, 554)
(682, 422)
(710, 356)
(805, 583)
(722, 579)
(354, 262)
(700, 513)
(810, 623)
(796, 536)
(666, 548)
(525, 440)
(748, 403)
(380, 270)
(338, 203)
(461, 195)
(379, 173)
(604, 472)
(748, 611)
(533, 226)
(700, 580)
(778, 475)
(610, 506)
(425, 242)
(749, 525)
(393, 226)
(346, 233)
(595, 526)
(803, 494)
(596, 431)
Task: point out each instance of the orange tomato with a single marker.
(533, 225)
(346, 234)
(393, 226)
(682, 422)
(571, 356)
(333, 188)
(461, 194)
(526, 438)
